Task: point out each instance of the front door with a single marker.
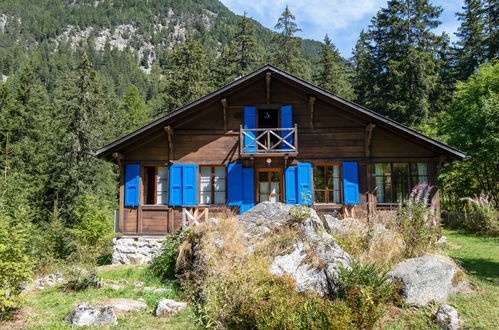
(269, 185)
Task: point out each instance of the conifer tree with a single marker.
(470, 50)
(187, 75)
(332, 74)
(245, 46)
(404, 54)
(287, 47)
(82, 128)
(135, 109)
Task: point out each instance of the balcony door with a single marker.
(268, 118)
(269, 185)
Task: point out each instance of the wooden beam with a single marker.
(367, 139)
(268, 77)
(121, 207)
(171, 151)
(224, 105)
(311, 101)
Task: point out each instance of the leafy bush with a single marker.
(50, 242)
(418, 222)
(163, 265)
(93, 231)
(365, 290)
(481, 216)
(15, 264)
(250, 297)
(79, 279)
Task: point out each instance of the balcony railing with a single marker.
(268, 140)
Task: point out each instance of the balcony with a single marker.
(268, 141)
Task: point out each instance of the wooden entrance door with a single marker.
(269, 185)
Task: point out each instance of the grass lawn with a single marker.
(47, 309)
(479, 257)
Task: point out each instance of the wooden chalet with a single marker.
(268, 136)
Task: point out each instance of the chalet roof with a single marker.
(106, 151)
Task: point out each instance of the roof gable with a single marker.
(106, 151)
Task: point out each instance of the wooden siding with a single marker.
(337, 135)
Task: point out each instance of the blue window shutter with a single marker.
(132, 182)
(235, 184)
(304, 180)
(248, 190)
(250, 122)
(290, 181)
(175, 185)
(189, 184)
(286, 122)
(350, 183)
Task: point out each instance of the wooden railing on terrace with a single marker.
(268, 140)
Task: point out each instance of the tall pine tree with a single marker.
(187, 76)
(403, 52)
(287, 47)
(333, 75)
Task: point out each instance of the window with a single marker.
(269, 185)
(327, 186)
(212, 188)
(394, 181)
(156, 185)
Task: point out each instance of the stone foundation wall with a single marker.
(135, 251)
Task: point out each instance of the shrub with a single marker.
(418, 222)
(93, 231)
(481, 216)
(365, 290)
(51, 242)
(15, 266)
(79, 279)
(163, 265)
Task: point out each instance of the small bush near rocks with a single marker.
(163, 265)
(365, 290)
(15, 264)
(79, 279)
(418, 222)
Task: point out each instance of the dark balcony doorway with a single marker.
(268, 118)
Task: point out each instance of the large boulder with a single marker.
(447, 318)
(169, 307)
(124, 305)
(424, 279)
(85, 314)
(315, 258)
(348, 226)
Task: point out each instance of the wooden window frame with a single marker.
(144, 171)
(257, 178)
(393, 180)
(326, 187)
(212, 183)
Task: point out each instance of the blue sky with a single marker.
(342, 20)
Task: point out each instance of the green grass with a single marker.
(479, 257)
(47, 309)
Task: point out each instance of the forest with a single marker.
(63, 98)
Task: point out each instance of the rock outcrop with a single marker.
(447, 317)
(124, 305)
(424, 279)
(85, 314)
(348, 226)
(316, 257)
(132, 251)
(169, 307)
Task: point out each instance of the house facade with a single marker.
(268, 136)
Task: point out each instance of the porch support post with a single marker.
(370, 199)
(311, 101)
(121, 209)
(171, 151)
(224, 105)
(268, 77)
